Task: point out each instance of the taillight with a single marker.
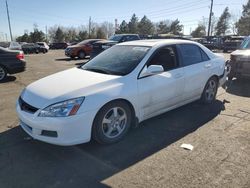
(20, 56)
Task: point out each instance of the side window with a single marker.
(191, 54)
(204, 56)
(166, 57)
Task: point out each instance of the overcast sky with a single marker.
(24, 13)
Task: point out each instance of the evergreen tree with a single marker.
(36, 36)
(200, 31)
(59, 35)
(163, 27)
(223, 23)
(82, 35)
(124, 27)
(243, 25)
(145, 26)
(133, 24)
(176, 28)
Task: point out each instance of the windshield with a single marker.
(246, 43)
(84, 42)
(116, 38)
(117, 60)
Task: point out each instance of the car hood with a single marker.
(241, 52)
(66, 85)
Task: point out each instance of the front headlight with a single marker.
(62, 109)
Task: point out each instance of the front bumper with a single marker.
(64, 131)
(240, 69)
(227, 70)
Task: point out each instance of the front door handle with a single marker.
(178, 75)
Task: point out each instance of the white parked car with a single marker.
(43, 44)
(125, 84)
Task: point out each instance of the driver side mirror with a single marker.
(152, 70)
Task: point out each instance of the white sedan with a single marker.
(122, 86)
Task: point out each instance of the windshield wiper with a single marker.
(97, 70)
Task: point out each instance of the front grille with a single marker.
(26, 107)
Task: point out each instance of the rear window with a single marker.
(191, 54)
(246, 43)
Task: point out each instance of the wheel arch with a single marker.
(131, 106)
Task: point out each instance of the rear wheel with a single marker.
(210, 91)
(3, 73)
(81, 54)
(112, 122)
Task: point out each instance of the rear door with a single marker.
(159, 92)
(197, 68)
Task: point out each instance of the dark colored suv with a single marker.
(30, 48)
(58, 45)
(11, 62)
(232, 43)
(240, 61)
(100, 46)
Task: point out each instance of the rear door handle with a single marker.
(208, 65)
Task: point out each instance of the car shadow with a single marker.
(8, 79)
(71, 59)
(30, 163)
(66, 59)
(239, 87)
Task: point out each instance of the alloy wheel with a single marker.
(2, 73)
(210, 91)
(114, 122)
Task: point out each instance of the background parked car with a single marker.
(15, 46)
(11, 62)
(100, 46)
(44, 45)
(33, 48)
(232, 43)
(82, 49)
(58, 45)
(240, 61)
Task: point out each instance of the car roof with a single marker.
(157, 42)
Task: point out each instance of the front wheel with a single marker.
(81, 54)
(3, 73)
(210, 91)
(112, 122)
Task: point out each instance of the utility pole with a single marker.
(46, 31)
(89, 25)
(9, 20)
(210, 17)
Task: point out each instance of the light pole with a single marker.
(210, 17)
(9, 20)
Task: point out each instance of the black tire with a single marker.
(81, 54)
(72, 57)
(209, 93)
(99, 127)
(3, 73)
(230, 77)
